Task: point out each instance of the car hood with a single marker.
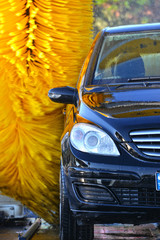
(123, 110)
(125, 103)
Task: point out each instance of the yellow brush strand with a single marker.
(42, 45)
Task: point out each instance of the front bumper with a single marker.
(128, 216)
(102, 196)
(105, 189)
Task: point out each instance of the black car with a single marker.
(110, 166)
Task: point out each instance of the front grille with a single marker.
(137, 196)
(148, 141)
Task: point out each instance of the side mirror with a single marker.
(67, 95)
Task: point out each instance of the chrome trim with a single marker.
(148, 146)
(151, 139)
(145, 132)
(147, 141)
(152, 154)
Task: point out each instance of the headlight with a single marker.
(89, 138)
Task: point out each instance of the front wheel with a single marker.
(85, 232)
(69, 230)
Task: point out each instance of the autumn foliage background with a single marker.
(122, 12)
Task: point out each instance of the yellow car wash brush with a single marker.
(42, 45)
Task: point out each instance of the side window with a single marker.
(85, 65)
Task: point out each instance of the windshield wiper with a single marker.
(150, 78)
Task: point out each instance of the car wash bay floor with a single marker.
(46, 232)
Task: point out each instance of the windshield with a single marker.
(127, 57)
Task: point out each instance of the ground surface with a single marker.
(10, 231)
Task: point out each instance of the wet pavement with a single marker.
(11, 230)
(127, 232)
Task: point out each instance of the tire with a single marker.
(85, 232)
(67, 223)
(69, 230)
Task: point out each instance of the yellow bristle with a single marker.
(42, 45)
